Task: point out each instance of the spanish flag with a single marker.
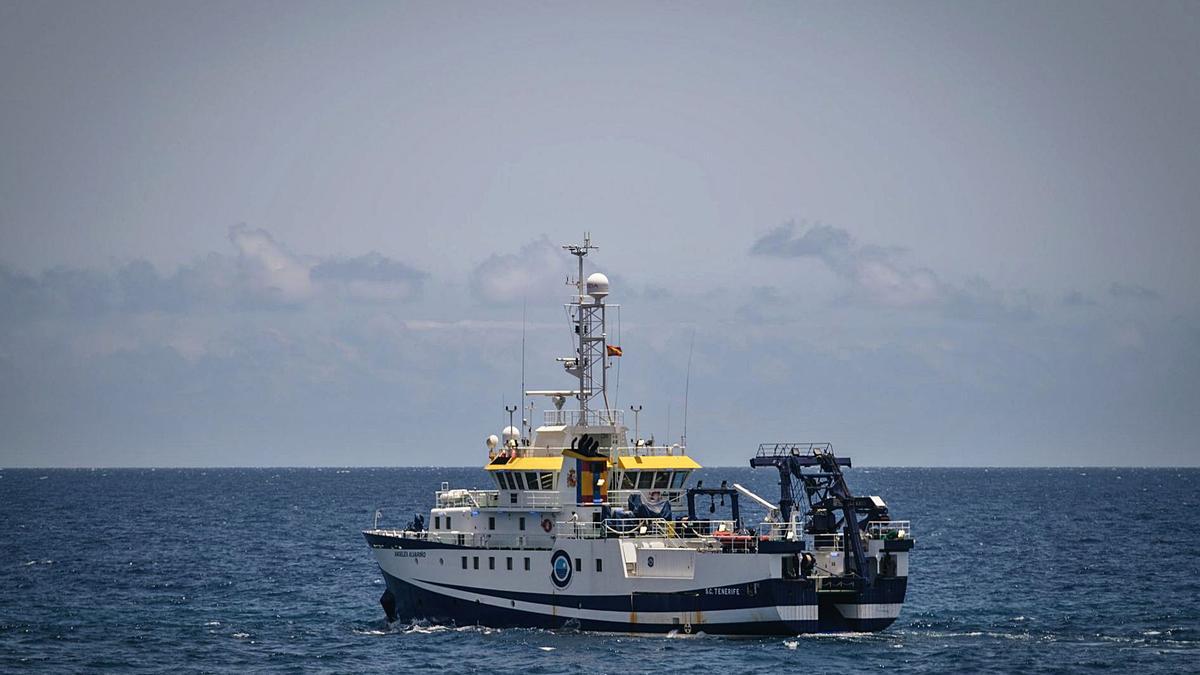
(613, 350)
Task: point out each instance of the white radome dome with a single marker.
(597, 285)
(510, 434)
(492, 442)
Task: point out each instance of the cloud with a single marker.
(877, 276)
(263, 274)
(269, 272)
(828, 244)
(1133, 292)
(534, 272)
(1077, 299)
(371, 277)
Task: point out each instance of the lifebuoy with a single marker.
(547, 525)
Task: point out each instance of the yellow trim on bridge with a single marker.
(529, 464)
(657, 462)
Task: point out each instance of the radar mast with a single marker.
(591, 351)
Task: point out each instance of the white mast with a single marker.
(591, 349)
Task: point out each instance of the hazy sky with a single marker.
(258, 233)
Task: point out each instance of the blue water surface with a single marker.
(1015, 570)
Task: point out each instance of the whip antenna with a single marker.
(687, 383)
(524, 306)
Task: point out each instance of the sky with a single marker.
(269, 234)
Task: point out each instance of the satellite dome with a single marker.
(492, 442)
(597, 285)
(511, 434)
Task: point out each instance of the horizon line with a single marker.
(450, 466)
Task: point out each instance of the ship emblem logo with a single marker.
(560, 569)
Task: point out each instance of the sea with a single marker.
(233, 570)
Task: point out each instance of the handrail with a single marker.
(676, 496)
(620, 451)
(490, 499)
(656, 528)
(889, 529)
(774, 531)
(484, 540)
(587, 418)
(828, 542)
(651, 450)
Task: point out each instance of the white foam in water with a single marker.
(426, 629)
(546, 649)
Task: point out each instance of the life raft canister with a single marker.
(547, 525)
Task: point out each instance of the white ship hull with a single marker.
(680, 590)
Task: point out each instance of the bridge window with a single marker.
(518, 483)
(531, 480)
(547, 480)
(662, 480)
(645, 478)
(679, 479)
(628, 481)
(502, 480)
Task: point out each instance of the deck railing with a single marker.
(620, 451)
(647, 528)
(889, 529)
(490, 499)
(774, 531)
(620, 498)
(651, 450)
(589, 418)
(828, 542)
(539, 499)
(489, 540)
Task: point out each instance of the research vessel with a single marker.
(590, 527)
